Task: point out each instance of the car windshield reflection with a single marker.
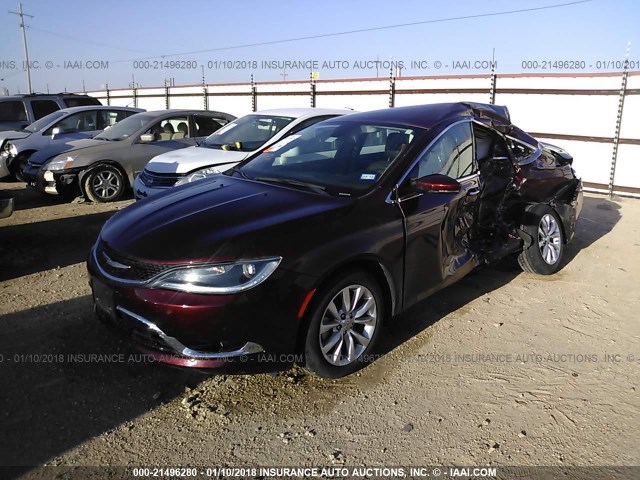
(341, 157)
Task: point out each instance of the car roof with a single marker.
(302, 112)
(427, 116)
(99, 107)
(17, 96)
(159, 113)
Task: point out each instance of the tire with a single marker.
(544, 255)
(15, 169)
(104, 183)
(330, 334)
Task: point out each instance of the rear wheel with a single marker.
(346, 320)
(544, 255)
(104, 183)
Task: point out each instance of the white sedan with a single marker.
(226, 147)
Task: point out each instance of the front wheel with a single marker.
(346, 320)
(15, 168)
(104, 183)
(544, 255)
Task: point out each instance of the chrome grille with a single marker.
(159, 180)
(120, 266)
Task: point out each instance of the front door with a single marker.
(437, 225)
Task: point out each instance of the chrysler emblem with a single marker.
(115, 264)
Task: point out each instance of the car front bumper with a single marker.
(4, 167)
(141, 190)
(47, 181)
(203, 331)
(6, 207)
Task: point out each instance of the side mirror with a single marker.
(147, 138)
(436, 183)
(55, 132)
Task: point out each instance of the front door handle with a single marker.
(472, 192)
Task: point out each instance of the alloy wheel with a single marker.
(105, 184)
(549, 239)
(348, 324)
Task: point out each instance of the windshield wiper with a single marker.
(294, 183)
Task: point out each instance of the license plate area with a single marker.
(103, 297)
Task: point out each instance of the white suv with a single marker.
(226, 147)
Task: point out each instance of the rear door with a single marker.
(437, 225)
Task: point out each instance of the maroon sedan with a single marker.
(314, 244)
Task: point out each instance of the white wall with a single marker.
(558, 112)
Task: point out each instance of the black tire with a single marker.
(544, 255)
(15, 169)
(104, 183)
(349, 330)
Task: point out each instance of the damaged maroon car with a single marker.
(313, 245)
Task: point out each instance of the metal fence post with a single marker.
(492, 90)
(616, 136)
(166, 95)
(205, 99)
(254, 95)
(135, 97)
(392, 89)
(312, 89)
(106, 86)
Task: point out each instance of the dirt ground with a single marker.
(503, 368)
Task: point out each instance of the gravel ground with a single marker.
(503, 368)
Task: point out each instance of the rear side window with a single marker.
(41, 108)
(12, 111)
(205, 126)
(81, 101)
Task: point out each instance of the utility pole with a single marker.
(21, 14)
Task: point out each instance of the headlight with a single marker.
(197, 175)
(11, 149)
(223, 278)
(59, 164)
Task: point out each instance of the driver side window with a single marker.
(451, 154)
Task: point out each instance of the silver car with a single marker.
(227, 147)
(55, 131)
(104, 167)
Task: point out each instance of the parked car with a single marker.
(18, 111)
(103, 168)
(313, 245)
(226, 147)
(56, 130)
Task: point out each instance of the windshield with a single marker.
(247, 133)
(127, 127)
(44, 121)
(342, 157)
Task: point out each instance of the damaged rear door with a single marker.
(438, 223)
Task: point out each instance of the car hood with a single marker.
(223, 218)
(189, 159)
(78, 146)
(12, 135)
